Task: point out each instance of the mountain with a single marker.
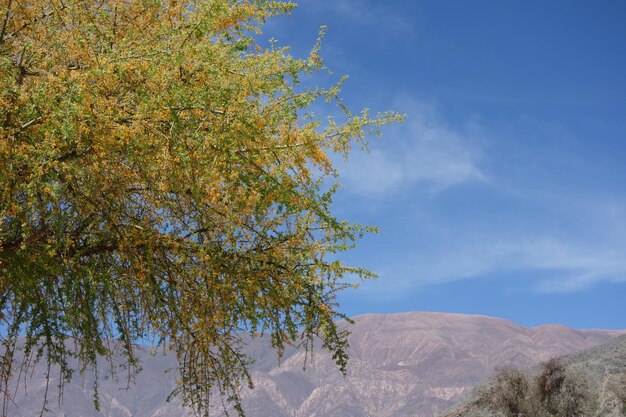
(401, 365)
(587, 383)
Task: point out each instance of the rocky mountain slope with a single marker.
(587, 383)
(409, 364)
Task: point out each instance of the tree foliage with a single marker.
(161, 178)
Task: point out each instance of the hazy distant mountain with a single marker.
(410, 364)
(593, 381)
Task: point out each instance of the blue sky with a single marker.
(504, 191)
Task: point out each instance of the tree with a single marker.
(162, 179)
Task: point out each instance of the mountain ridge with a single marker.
(413, 364)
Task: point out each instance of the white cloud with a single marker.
(424, 150)
(552, 265)
(367, 14)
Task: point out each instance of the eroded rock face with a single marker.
(410, 364)
(413, 364)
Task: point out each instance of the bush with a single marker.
(553, 392)
(617, 386)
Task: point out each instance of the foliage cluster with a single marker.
(161, 178)
(554, 392)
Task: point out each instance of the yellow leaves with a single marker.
(235, 15)
(170, 167)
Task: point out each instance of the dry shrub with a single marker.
(553, 392)
(550, 380)
(618, 387)
(560, 392)
(508, 393)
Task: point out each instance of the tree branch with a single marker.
(30, 123)
(35, 20)
(5, 21)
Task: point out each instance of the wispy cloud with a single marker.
(423, 151)
(562, 240)
(382, 17)
(552, 265)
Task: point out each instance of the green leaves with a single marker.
(158, 182)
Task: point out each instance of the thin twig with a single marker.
(28, 124)
(6, 20)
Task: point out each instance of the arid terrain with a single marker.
(592, 381)
(401, 365)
